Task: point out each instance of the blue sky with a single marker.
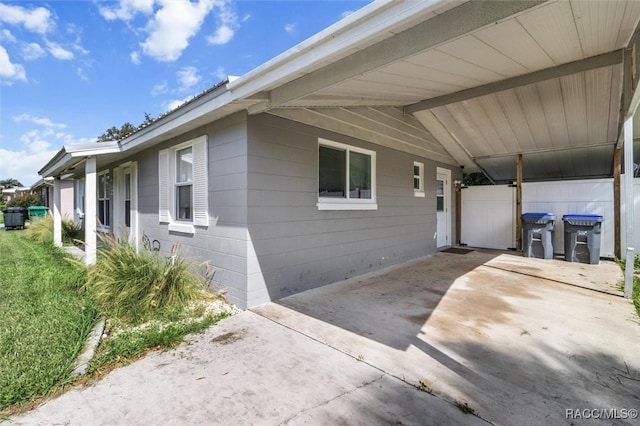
(71, 69)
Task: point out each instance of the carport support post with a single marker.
(57, 217)
(90, 238)
(629, 204)
(519, 202)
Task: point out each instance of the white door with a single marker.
(443, 208)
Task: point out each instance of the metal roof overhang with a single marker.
(488, 80)
(491, 80)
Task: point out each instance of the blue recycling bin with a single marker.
(537, 235)
(582, 238)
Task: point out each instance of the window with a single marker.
(184, 183)
(440, 195)
(127, 198)
(418, 179)
(183, 186)
(346, 177)
(104, 199)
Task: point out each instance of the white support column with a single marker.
(57, 216)
(90, 237)
(629, 204)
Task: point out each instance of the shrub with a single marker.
(132, 286)
(41, 231)
(24, 200)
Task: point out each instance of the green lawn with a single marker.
(44, 320)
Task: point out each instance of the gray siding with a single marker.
(224, 242)
(298, 247)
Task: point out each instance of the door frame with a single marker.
(447, 205)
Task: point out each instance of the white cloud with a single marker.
(227, 23)
(290, 28)
(173, 104)
(82, 74)
(5, 35)
(59, 52)
(223, 35)
(40, 121)
(127, 9)
(220, 73)
(9, 71)
(188, 77)
(159, 89)
(172, 26)
(36, 20)
(32, 51)
(135, 58)
(37, 148)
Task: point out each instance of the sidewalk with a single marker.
(248, 370)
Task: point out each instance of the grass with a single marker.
(49, 303)
(635, 295)
(44, 320)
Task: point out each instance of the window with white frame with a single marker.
(183, 186)
(104, 199)
(346, 177)
(418, 179)
(127, 197)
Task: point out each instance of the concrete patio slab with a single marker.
(504, 334)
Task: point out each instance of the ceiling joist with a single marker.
(594, 62)
(454, 23)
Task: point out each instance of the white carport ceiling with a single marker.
(543, 80)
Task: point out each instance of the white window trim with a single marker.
(101, 227)
(167, 187)
(420, 191)
(331, 203)
(130, 167)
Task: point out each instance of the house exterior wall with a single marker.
(294, 246)
(66, 199)
(224, 242)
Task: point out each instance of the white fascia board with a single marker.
(67, 156)
(96, 149)
(356, 31)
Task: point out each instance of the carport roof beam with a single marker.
(594, 62)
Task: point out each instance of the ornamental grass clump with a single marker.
(133, 286)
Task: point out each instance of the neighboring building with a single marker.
(44, 189)
(340, 156)
(9, 193)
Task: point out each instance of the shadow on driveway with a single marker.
(507, 336)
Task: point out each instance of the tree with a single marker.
(474, 179)
(10, 183)
(115, 134)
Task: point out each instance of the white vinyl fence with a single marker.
(489, 212)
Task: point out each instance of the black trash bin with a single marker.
(537, 235)
(582, 238)
(13, 217)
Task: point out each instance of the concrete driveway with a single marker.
(482, 330)
(518, 340)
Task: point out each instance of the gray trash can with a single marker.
(13, 217)
(537, 235)
(582, 238)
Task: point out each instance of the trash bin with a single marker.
(582, 238)
(13, 217)
(537, 235)
(37, 211)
